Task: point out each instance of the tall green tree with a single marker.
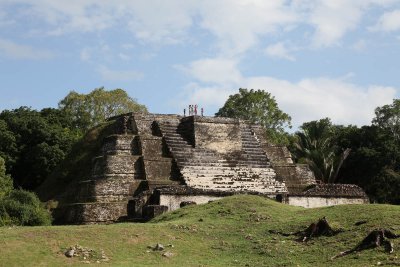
(374, 163)
(6, 185)
(388, 117)
(33, 143)
(258, 106)
(315, 145)
(8, 145)
(88, 110)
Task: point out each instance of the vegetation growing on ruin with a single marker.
(234, 231)
(77, 164)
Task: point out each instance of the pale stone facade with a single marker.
(322, 195)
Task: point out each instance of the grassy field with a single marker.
(229, 232)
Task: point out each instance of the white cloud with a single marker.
(119, 75)
(279, 50)
(13, 50)
(208, 97)
(238, 24)
(388, 22)
(159, 21)
(65, 17)
(214, 70)
(305, 100)
(315, 98)
(333, 19)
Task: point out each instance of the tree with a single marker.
(33, 143)
(388, 117)
(374, 163)
(8, 146)
(257, 106)
(315, 145)
(6, 184)
(88, 110)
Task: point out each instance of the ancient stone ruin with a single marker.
(152, 163)
(320, 195)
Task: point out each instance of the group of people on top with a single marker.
(193, 110)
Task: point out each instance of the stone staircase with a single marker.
(206, 169)
(255, 155)
(296, 176)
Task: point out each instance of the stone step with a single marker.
(209, 175)
(256, 152)
(252, 146)
(236, 169)
(178, 144)
(174, 138)
(194, 153)
(204, 179)
(249, 141)
(259, 185)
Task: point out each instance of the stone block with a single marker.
(151, 211)
(116, 164)
(95, 212)
(278, 154)
(118, 144)
(110, 188)
(158, 169)
(152, 147)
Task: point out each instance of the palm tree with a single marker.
(314, 145)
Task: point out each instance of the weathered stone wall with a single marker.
(221, 135)
(235, 179)
(158, 169)
(94, 212)
(173, 202)
(295, 176)
(151, 147)
(118, 144)
(116, 164)
(316, 202)
(279, 154)
(108, 189)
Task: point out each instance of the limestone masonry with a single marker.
(155, 163)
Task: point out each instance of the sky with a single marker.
(318, 58)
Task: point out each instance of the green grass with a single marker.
(228, 232)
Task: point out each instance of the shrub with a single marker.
(21, 207)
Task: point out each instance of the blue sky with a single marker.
(326, 58)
